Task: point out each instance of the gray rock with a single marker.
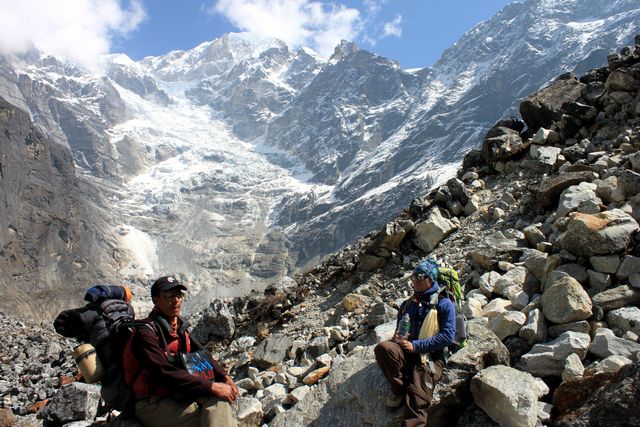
(576, 271)
(552, 186)
(535, 329)
(73, 402)
(573, 368)
(564, 300)
(535, 262)
(605, 263)
(547, 156)
(533, 235)
(272, 350)
(487, 282)
(601, 234)
(385, 331)
(611, 364)
(630, 265)
(214, 323)
(501, 143)
(598, 282)
(581, 327)
(605, 344)
(617, 297)
(318, 346)
(548, 359)
(388, 240)
(545, 106)
(506, 323)
(622, 80)
(433, 230)
(629, 183)
(248, 411)
(508, 396)
(576, 196)
(381, 313)
(625, 318)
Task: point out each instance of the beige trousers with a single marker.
(206, 412)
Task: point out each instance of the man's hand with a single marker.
(228, 380)
(224, 391)
(406, 345)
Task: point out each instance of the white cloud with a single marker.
(393, 28)
(78, 29)
(318, 25)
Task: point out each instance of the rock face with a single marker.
(53, 240)
(508, 396)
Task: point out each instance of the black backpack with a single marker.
(106, 322)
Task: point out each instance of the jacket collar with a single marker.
(426, 295)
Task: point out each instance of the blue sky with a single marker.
(418, 30)
(412, 32)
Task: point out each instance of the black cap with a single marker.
(165, 283)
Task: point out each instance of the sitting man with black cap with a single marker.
(167, 393)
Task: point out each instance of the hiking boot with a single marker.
(394, 400)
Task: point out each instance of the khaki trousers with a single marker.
(406, 374)
(206, 412)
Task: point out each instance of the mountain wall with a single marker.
(51, 238)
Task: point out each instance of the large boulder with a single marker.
(613, 403)
(606, 344)
(388, 240)
(552, 186)
(433, 230)
(506, 323)
(545, 106)
(548, 359)
(501, 144)
(73, 402)
(272, 350)
(248, 411)
(354, 391)
(579, 197)
(564, 300)
(214, 323)
(604, 233)
(625, 319)
(617, 297)
(508, 396)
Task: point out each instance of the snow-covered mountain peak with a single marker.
(212, 58)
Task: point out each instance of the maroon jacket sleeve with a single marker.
(146, 347)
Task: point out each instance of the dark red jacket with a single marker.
(147, 367)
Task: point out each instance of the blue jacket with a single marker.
(418, 306)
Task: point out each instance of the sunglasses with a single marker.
(418, 277)
(171, 295)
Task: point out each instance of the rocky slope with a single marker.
(542, 224)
